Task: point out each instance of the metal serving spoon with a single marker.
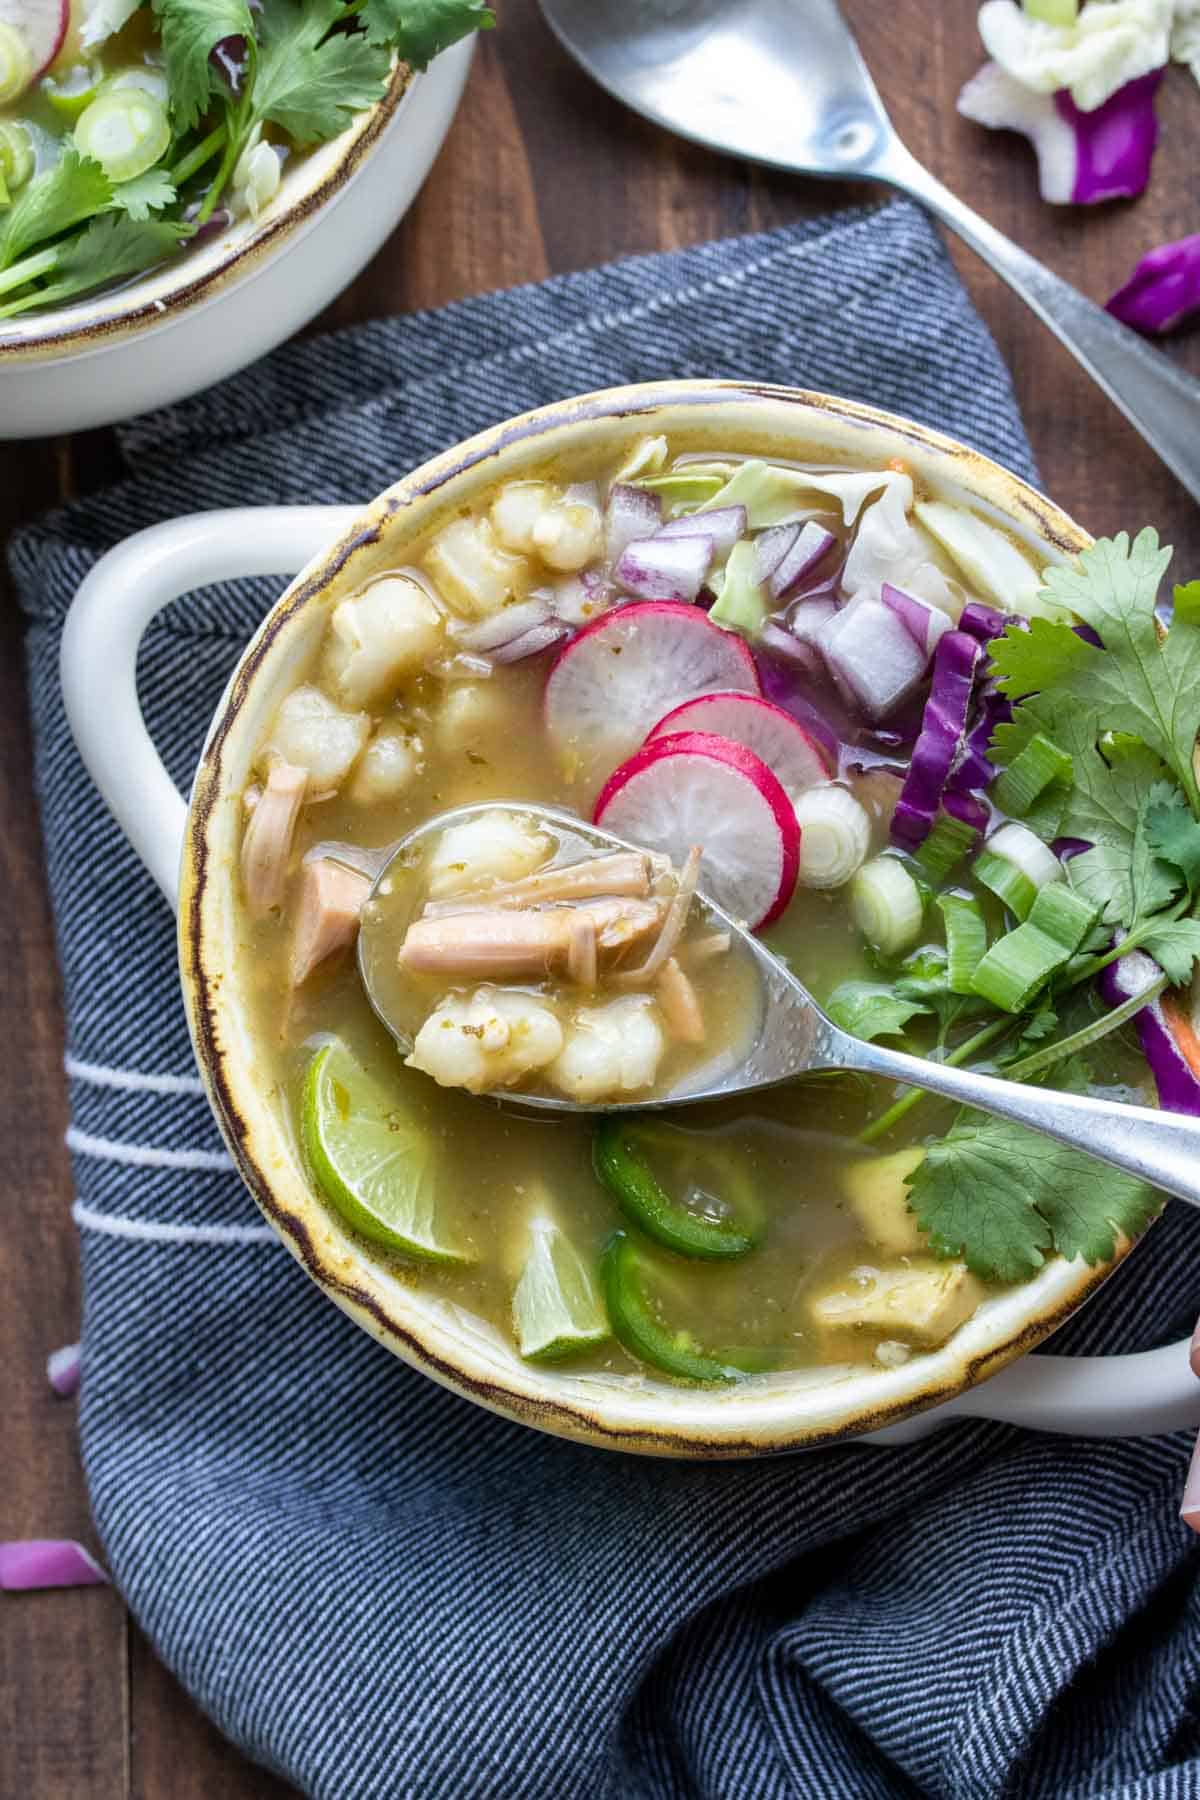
(793, 1036)
(782, 82)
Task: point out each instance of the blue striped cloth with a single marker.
(373, 1587)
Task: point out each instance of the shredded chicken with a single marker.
(679, 1004)
(267, 839)
(581, 950)
(673, 924)
(331, 899)
(497, 943)
(626, 874)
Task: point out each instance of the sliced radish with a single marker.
(42, 25)
(663, 568)
(724, 526)
(620, 674)
(631, 513)
(792, 754)
(697, 788)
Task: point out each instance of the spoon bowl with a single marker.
(788, 1035)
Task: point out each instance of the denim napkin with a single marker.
(377, 1589)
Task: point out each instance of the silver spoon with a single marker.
(792, 1036)
(782, 82)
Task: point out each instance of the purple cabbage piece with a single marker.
(230, 56)
(1178, 1083)
(27, 1563)
(1163, 290)
(984, 622)
(1083, 157)
(943, 730)
(784, 684)
(974, 770)
(968, 809)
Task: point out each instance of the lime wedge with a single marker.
(557, 1310)
(373, 1162)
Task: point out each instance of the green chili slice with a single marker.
(643, 1335)
(725, 1228)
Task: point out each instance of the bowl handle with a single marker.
(1084, 1396)
(114, 605)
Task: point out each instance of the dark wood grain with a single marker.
(541, 173)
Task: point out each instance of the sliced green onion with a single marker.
(887, 905)
(1015, 864)
(835, 831)
(1029, 774)
(16, 64)
(16, 158)
(1018, 963)
(147, 80)
(74, 92)
(716, 1216)
(742, 602)
(966, 939)
(945, 846)
(635, 1321)
(126, 131)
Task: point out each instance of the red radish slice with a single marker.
(663, 568)
(43, 26)
(700, 789)
(620, 674)
(792, 754)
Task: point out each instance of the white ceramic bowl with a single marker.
(208, 313)
(192, 851)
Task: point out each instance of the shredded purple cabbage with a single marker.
(1163, 290)
(943, 731)
(1177, 1082)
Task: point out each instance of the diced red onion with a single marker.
(724, 525)
(811, 546)
(63, 1370)
(509, 623)
(532, 642)
(984, 622)
(943, 730)
(661, 568)
(27, 1563)
(578, 598)
(873, 656)
(770, 548)
(1175, 1077)
(926, 624)
(1163, 290)
(631, 513)
(1067, 847)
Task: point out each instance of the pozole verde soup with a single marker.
(726, 663)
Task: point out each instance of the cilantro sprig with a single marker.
(299, 69)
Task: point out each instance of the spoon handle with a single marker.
(1160, 401)
(1162, 1148)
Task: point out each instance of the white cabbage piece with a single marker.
(888, 546)
(1110, 43)
(390, 630)
(610, 1050)
(997, 571)
(773, 494)
(488, 1041)
(492, 846)
(314, 733)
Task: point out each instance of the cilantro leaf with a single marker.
(143, 195)
(422, 29)
(870, 1010)
(1174, 835)
(1174, 945)
(74, 189)
(1122, 872)
(309, 83)
(1003, 1198)
(1139, 683)
(190, 31)
(112, 246)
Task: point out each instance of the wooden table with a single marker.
(541, 173)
